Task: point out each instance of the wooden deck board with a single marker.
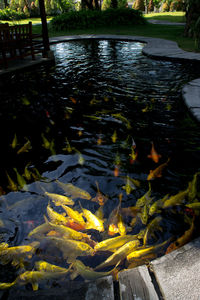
(136, 284)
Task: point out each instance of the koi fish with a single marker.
(158, 171)
(133, 155)
(176, 199)
(120, 254)
(27, 173)
(92, 221)
(17, 254)
(99, 198)
(115, 221)
(87, 272)
(151, 227)
(184, 239)
(14, 142)
(154, 155)
(68, 147)
(129, 187)
(157, 205)
(39, 231)
(143, 252)
(59, 200)
(74, 215)
(70, 248)
(46, 144)
(113, 244)
(145, 199)
(116, 171)
(192, 188)
(73, 191)
(55, 217)
(114, 137)
(123, 119)
(33, 277)
(20, 179)
(12, 185)
(25, 148)
(144, 214)
(47, 267)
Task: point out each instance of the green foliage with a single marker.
(108, 3)
(165, 7)
(11, 14)
(139, 5)
(95, 18)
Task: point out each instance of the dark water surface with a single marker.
(81, 121)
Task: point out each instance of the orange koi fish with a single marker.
(154, 155)
(158, 171)
(116, 171)
(99, 198)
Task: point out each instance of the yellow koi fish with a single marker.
(71, 248)
(75, 215)
(87, 272)
(114, 243)
(12, 185)
(39, 231)
(123, 119)
(114, 137)
(27, 173)
(18, 253)
(20, 179)
(129, 187)
(151, 227)
(144, 214)
(47, 267)
(46, 144)
(157, 205)
(92, 221)
(192, 188)
(143, 252)
(59, 199)
(14, 142)
(73, 191)
(120, 254)
(25, 148)
(55, 217)
(176, 199)
(145, 199)
(158, 171)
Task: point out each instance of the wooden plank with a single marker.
(136, 284)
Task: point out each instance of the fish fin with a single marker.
(34, 286)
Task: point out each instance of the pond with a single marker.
(106, 127)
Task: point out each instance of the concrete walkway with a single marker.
(160, 22)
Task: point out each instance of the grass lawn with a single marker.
(25, 21)
(174, 33)
(178, 16)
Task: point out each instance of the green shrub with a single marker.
(96, 18)
(139, 4)
(11, 14)
(165, 7)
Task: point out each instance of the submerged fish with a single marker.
(87, 272)
(92, 221)
(14, 142)
(158, 171)
(74, 215)
(151, 227)
(154, 155)
(18, 253)
(20, 179)
(70, 248)
(114, 137)
(192, 187)
(123, 119)
(25, 148)
(59, 199)
(157, 205)
(56, 217)
(129, 187)
(120, 254)
(47, 267)
(145, 199)
(113, 244)
(73, 191)
(176, 199)
(12, 185)
(99, 198)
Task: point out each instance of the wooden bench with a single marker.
(17, 41)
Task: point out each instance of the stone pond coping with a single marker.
(157, 49)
